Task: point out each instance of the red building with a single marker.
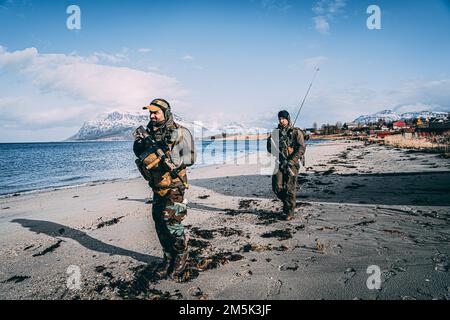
(399, 125)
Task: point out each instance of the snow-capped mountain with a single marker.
(391, 116)
(424, 115)
(386, 115)
(237, 128)
(120, 125)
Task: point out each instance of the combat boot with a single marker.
(179, 266)
(165, 268)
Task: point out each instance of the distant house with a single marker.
(351, 125)
(399, 125)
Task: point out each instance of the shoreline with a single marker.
(98, 182)
(358, 205)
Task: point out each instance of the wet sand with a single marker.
(358, 206)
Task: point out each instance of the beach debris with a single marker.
(279, 234)
(16, 194)
(16, 279)
(328, 228)
(48, 249)
(214, 261)
(269, 217)
(206, 196)
(198, 243)
(329, 171)
(202, 233)
(28, 247)
(138, 287)
(6, 208)
(364, 223)
(293, 266)
(260, 248)
(198, 293)
(228, 232)
(354, 185)
(75, 197)
(349, 273)
(320, 247)
(247, 204)
(109, 222)
(124, 198)
(394, 232)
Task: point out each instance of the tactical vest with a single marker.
(286, 141)
(154, 171)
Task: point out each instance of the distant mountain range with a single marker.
(391, 116)
(120, 125)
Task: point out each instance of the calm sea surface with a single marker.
(35, 166)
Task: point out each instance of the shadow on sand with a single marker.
(417, 188)
(56, 230)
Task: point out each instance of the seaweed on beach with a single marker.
(260, 248)
(329, 171)
(198, 243)
(16, 279)
(109, 222)
(48, 249)
(209, 234)
(247, 204)
(227, 232)
(279, 234)
(202, 233)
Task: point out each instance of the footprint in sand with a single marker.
(274, 287)
(348, 275)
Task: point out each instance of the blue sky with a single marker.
(217, 61)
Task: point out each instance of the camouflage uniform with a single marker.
(169, 209)
(289, 145)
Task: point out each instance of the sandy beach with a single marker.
(358, 206)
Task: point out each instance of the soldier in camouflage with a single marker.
(169, 208)
(287, 143)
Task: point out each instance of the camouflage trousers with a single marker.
(168, 212)
(285, 187)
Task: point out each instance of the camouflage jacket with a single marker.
(287, 142)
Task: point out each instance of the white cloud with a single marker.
(109, 58)
(84, 84)
(188, 57)
(347, 103)
(321, 24)
(325, 11)
(145, 50)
